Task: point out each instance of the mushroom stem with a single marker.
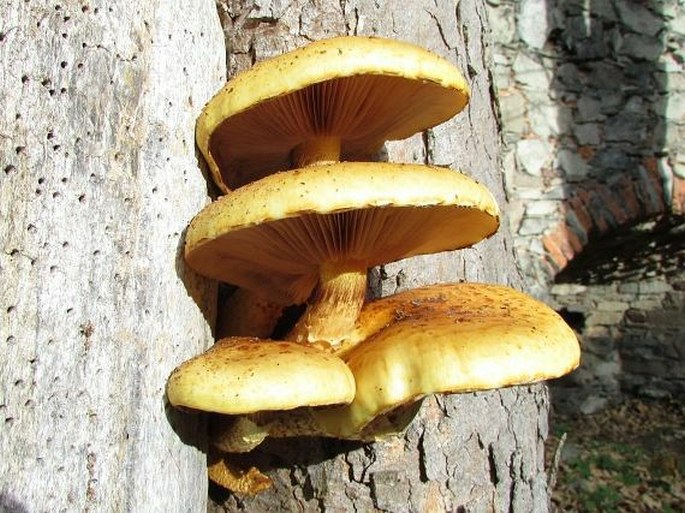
(246, 314)
(323, 149)
(334, 306)
(240, 434)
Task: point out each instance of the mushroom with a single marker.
(230, 475)
(452, 338)
(336, 99)
(315, 231)
(244, 375)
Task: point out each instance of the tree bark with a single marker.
(98, 180)
(472, 452)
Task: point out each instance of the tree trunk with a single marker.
(473, 452)
(98, 180)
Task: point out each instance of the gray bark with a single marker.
(98, 180)
(474, 452)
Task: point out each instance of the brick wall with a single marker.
(592, 106)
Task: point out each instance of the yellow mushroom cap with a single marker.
(363, 90)
(243, 375)
(272, 236)
(448, 339)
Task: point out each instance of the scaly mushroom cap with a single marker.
(447, 339)
(273, 236)
(243, 375)
(362, 91)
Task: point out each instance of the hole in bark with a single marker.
(9, 169)
(10, 308)
(11, 339)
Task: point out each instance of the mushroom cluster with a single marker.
(304, 216)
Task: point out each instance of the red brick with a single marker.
(651, 164)
(558, 258)
(678, 198)
(631, 202)
(586, 152)
(562, 245)
(613, 204)
(577, 205)
(657, 189)
(573, 239)
(596, 212)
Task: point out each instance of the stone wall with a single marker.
(592, 105)
(633, 342)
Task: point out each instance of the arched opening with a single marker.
(624, 294)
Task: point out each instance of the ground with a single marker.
(629, 458)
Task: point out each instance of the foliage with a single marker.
(630, 458)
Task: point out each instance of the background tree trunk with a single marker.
(474, 452)
(98, 180)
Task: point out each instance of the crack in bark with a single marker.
(427, 147)
(492, 466)
(512, 484)
(423, 475)
(441, 32)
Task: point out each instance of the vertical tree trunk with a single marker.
(474, 452)
(98, 180)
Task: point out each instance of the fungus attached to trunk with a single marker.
(315, 232)
(332, 100)
(243, 375)
(452, 338)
